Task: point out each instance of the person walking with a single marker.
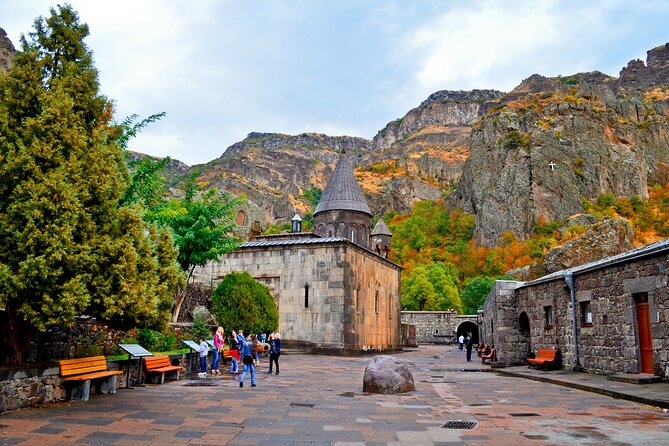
(461, 341)
(247, 359)
(204, 351)
(274, 352)
(468, 346)
(219, 345)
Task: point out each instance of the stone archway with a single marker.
(468, 327)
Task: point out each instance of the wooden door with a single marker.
(645, 337)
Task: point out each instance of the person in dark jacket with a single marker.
(274, 351)
(468, 346)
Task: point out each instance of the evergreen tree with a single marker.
(240, 302)
(66, 245)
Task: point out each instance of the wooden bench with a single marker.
(490, 357)
(547, 358)
(85, 370)
(159, 366)
(482, 349)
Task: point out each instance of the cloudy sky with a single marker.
(221, 69)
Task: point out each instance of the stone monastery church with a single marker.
(336, 288)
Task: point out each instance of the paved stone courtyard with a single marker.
(319, 400)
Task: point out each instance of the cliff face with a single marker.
(274, 171)
(537, 154)
(6, 51)
(512, 159)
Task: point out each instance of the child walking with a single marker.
(204, 351)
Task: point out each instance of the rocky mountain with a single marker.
(511, 159)
(552, 141)
(6, 51)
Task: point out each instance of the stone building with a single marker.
(334, 294)
(605, 317)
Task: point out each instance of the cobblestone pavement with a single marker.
(319, 400)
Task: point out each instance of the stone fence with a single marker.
(29, 387)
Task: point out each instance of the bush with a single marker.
(240, 302)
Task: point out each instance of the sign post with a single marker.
(137, 351)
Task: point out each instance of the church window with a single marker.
(548, 313)
(586, 314)
(306, 296)
(376, 301)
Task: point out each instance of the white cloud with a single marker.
(489, 44)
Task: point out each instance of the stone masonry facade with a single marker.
(332, 295)
(610, 297)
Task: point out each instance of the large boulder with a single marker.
(386, 375)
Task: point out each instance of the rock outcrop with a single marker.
(386, 375)
(553, 141)
(599, 240)
(6, 51)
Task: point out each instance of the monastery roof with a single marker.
(304, 241)
(627, 256)
(313, 241)
(343, 193)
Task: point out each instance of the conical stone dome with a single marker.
(343, 193)
(342, 210)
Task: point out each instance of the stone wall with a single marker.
(331, 295)
(29, 387)
(25, 388)
(437, 327)
(499, 324)
(609, 344)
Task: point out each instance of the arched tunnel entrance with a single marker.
(468, 328)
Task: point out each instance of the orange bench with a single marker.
(490, 357)
(546, 358)
(85, 370)
(160, 365)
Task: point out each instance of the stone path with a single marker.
(319, 400)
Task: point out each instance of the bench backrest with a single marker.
(71, 367)
(547, 353)
(155, 362)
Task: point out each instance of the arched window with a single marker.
(306, 296)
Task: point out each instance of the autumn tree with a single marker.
(67, 245)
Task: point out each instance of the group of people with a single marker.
(242, 349)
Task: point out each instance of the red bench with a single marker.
(160, 365)
(490, 357)
(85, 370)
(547, 358)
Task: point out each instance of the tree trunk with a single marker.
(14, 347)
(179, 298)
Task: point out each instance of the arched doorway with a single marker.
(524, 339)
(466, 328)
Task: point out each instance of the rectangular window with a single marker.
(586, 314)
(548, 313)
